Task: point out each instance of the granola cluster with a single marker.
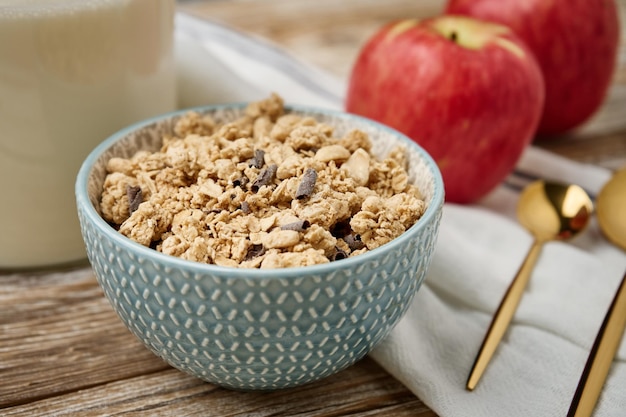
(269, 190)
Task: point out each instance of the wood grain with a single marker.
(170, 392)
(63, 351)
(61, 335)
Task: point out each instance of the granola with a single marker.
(269, 190)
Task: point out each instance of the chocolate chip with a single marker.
(259, 159)
(265, 177)
(135, 198)
(305, 188)
(298, 226)
(354, 241)
(254, 251)
(338, 255)
(245, 207)
(241, 181)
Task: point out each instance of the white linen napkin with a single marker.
(538, 364)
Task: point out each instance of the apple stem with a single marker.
(453, 36)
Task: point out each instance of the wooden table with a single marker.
(64, 351)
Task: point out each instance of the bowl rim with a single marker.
(83, 201)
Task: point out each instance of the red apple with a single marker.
(575, 43)
(470, 92)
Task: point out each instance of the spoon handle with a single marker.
(601, 356)
(503, 316)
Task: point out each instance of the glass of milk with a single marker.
(72, 72)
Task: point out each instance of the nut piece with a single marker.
(358, 167)
(332, 153)
(280, 239)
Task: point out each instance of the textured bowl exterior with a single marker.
(257, 329)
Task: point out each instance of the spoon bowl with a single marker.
(612, 209)
(552, 211)
(549, 211)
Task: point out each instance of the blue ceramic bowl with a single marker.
(253, 329)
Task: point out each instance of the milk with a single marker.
(71, 74)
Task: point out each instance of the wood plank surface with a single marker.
(62, 335)
(63, 351)
(170, 392)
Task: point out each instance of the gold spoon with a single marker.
(612, 218)
(550, 211)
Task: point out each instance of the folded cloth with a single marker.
(536, 369)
